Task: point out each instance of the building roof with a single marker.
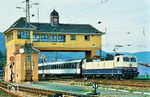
(47, 27)
(21, 23)
(54, 13)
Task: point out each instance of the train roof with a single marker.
(125, 55)
(59, 62)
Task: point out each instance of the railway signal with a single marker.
(95, 86)
(43, 60)
(12, 59)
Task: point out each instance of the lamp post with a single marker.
(100, 51)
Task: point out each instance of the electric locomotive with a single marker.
(118, 66)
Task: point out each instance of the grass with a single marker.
(144, 76)
(3, 94)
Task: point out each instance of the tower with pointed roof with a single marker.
(54, 17)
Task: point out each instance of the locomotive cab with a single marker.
(118, 66)
(125, 61)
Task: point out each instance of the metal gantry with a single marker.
(27, 14)
(28, 46)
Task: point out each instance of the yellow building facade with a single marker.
(53, 36)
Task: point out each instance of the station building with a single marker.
(51, 36)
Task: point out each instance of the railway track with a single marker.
(6, 87)
(131, 83)
(46, 92)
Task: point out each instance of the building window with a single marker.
(44, 38)
(61, 38)
(36, 37)
(87, 37)
(53, 38)
(23, 35)
(72, 37)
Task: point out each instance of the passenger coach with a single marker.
(65, 68)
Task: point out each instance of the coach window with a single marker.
(74, 66)
(42, 67)
(59, 66)
(46, 67)
(71, 65)
(52, 66)
(62, 66)
(68, 66)
(56, 66)
(49, 66)
(65, 66)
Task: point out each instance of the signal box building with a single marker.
(53, 36)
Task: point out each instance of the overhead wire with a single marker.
(84, 10)
(9, 14)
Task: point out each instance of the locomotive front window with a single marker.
(133, 59)
(126, 59)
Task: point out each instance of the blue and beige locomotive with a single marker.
(118, 66)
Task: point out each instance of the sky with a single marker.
(125, 22)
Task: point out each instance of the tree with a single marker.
(2, 60)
